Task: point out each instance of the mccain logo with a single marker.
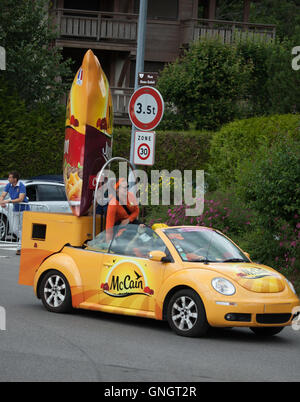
(126, 278)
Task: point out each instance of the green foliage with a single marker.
(283, 81)
(285, 14)
(214, 83)
(240, 140)
(222, 211)
(30, 141)
(256, 94)
(35, 69)
(172, 120)
(174, 150)
(271, 89)
(269, 183)
(280, 251)
(206, 84)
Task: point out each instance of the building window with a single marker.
(158, 9)
(89, 5)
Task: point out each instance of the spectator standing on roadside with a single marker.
(17, 193)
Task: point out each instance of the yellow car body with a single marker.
(144, 285)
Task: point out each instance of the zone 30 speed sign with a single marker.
(146, 108)
(144, 146)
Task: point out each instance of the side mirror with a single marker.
(157, 255)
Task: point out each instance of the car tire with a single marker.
(266, 331)
(3, 228)
(186, 314)
(55, 292)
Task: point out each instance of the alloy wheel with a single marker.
(55, 291)
(184, 313)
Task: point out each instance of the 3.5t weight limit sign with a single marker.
(146, 108)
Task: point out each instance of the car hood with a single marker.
(254, 277)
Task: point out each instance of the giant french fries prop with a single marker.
(88, 134)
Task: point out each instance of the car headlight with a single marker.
(223, 286)
(291, 286)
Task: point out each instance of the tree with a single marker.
(207, 84)
(273, 83)
(35, 69)
(31, 139)
(285, 14)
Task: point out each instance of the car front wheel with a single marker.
(186, 314)
(3, 228)
(55, 292)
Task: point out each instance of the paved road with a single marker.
(92, 346)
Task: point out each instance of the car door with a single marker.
(129, 279)
(53, 197)
(89, 263)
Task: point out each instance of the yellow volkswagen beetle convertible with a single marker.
(193, 277)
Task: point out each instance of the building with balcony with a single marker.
(109, 28)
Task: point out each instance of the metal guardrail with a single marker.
(11, 222)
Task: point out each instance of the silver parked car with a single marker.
(48, 196)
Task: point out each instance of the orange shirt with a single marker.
(116, 212)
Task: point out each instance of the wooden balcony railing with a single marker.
(121, 98)
(96, 25)
(122, 27)
(227, 31)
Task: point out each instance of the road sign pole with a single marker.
(139, 66)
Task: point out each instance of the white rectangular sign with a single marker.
(144, 148)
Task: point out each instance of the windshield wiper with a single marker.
(204, 260)
(235, 260)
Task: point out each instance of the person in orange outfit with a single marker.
(122, 209)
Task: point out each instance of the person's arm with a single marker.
(2, 196)
(22, 194)
(19, 199)
(15, 201)
(133, 204)
(110, 221)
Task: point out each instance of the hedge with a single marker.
(240, 140)
(174, 150)
(31, 141)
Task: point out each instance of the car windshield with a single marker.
(132, 240)
(198, 244)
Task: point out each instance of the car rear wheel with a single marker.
(3, 228)
(266, 331)
(55, 292)
(186, 314)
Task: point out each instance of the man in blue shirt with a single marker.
(17, 193)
